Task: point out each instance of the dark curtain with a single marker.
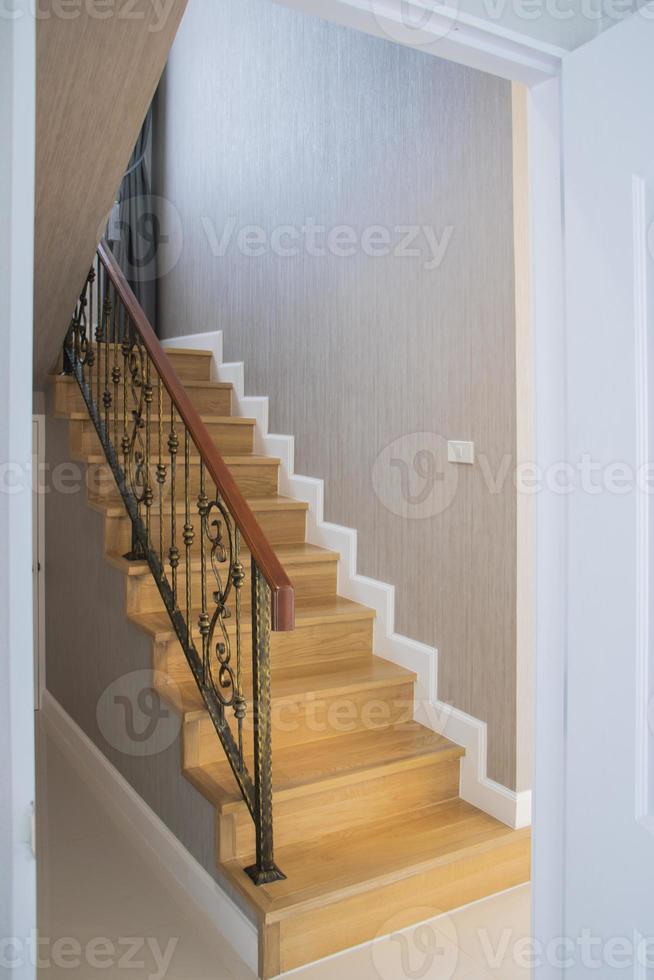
(133, 227)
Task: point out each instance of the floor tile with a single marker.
(489, 930)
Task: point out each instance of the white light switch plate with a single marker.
(460, 452)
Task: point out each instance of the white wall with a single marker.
(17, 115)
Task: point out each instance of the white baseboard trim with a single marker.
(513, 809)
(504, 804)
(183, 874)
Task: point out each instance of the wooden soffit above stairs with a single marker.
(96, 77)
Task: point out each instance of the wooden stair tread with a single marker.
(115, 508)
(334, 867)
(308, 612)
(191, 351)
(309, 681)
(179, 426)
(288, 554)
(216, 385)
(238, 459)
(117, 345)
(359, 755)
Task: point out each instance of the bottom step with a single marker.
(342, 890)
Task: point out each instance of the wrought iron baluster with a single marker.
(238, 577)
(189, 533)
(115, 372)
(88, 352)
(148, 495)
(204, 621)
(98, 336)
(125, 352)
(173, 552)
(92, 286)
(137, 462)
(161, 468)
(265, 869)
(106, 394)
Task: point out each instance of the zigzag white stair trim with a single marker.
(513, 809)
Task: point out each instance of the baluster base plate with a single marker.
(260, 877)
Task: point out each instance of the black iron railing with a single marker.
(190, 522)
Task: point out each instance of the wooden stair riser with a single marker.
(326, 643)
(253, 479)
(316, 812)
(231, 438)
(310, 579)
(209, 398)
(189, 365)
(279, 525)
(304, 937)
(295, 722)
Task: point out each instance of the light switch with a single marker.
(460, 452)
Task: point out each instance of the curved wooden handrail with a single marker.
(282, 592)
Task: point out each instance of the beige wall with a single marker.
(271, 118)
(90, 644)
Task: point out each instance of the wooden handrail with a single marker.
(282, 592)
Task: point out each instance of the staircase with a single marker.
(368, 824)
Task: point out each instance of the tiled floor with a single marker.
(95, 891)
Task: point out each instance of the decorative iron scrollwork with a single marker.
(222, 559)
(145, 451)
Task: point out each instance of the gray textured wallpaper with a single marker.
(345, 217)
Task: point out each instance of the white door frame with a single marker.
(549, 333)
(17, 144)
(38, 555)
(483, 45)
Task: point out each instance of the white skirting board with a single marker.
(158, 844)
(513, 809)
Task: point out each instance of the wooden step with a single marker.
(231, 434)
(322, 787)
(312, 571)
(256, 476)
(308, 705)
(209, 397)
(282, 520)
(189, 364)
(342, 631)
(342, 889)
(310, 614)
